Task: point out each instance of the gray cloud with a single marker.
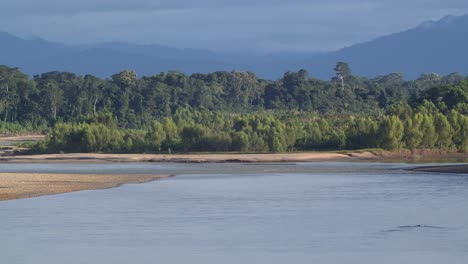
(222, 25)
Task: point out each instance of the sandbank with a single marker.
(26, 185)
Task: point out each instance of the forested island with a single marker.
(234, 111)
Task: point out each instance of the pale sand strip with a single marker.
(238, 157)
(26, 185)
(22, 138)
(93, 157)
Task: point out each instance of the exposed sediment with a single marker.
(182, 158)
(26, 185)
(403, 155)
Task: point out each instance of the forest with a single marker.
(235, 111)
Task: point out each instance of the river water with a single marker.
(243, 213)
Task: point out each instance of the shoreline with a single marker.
(21, 138)
(27, 185)
(377, 156)
(15, 186)
(174, 158)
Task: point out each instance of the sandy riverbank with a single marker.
(181, 158)
(26, 185)
(237, 157)
(22, 138)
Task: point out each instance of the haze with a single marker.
(221, 25)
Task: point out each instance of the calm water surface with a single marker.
(244, 213)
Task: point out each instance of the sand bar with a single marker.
(26, 185)
(22, 138)
(239, 157)
(181, 158)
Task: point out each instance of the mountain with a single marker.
(434, 46)
(38, 56)
(439, 47)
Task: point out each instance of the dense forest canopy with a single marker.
(236, 111)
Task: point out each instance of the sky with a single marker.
(257, 26)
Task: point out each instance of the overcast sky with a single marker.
(221, 25)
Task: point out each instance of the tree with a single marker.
(342, 72)
(312, 136)
(192, 136)
(413, 133)
(361, 133)
(156, 136)
(390, 133)
(94, 90)
(444, 132)
(125, 79)
(172, 139)
(54, 95)
(429, 135)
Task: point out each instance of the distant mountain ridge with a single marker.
(434, 46)
(38, 56)
(439, 47)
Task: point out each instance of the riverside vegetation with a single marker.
(235, 111)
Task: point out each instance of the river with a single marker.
(328, 212)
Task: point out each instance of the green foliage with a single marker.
(155, 136)
(390, 133)
(362, 133)
(235, 111)
(444, 132)
(83, 138)
(261, 132)
(429, 137)
(413, 133)
(56, 97)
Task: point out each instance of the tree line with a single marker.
(188, 130)
(55, 97)
(235, 111)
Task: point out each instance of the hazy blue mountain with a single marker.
(38, 56)
(439, 47)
